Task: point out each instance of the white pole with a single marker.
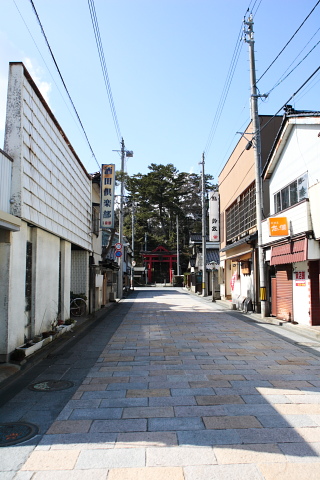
(120, 272)
(257, 149)
(132, 247)
(204, 233)
(178, 256)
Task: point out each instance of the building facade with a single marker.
(45, 220)
(291, 233)
(238, 225)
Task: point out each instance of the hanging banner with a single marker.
(214, 235)
(107, 196)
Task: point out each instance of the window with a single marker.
(291, 194)
(241, 216)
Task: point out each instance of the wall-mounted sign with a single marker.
(300, 278)
(278, 227)
(107, 196)
(214, 217)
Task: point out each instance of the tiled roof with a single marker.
(197, 237)
(212, 256)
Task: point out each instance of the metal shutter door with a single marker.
(284, 292)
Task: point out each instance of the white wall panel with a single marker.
(47, 166)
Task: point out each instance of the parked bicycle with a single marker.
(78, 307)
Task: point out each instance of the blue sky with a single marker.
(167, 62)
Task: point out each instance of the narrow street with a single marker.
(170, 386)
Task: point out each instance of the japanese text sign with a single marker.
(214, 217)
(107, 196)
(278, 227)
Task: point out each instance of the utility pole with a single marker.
(249, 38)
(178, 256)
(132, 247)
(204, 233)
(120, 272)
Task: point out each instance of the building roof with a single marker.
(212, 256)
(290, 118)
(197, 238)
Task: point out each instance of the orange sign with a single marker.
(278, 227)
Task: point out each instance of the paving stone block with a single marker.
(257, 453)
(198, 411)
(148, 412)
(175, 424)
(156, 392)
(218, 399)
(222, 472)
(70, 426)
(117, 458)
(108, 394)
(146, 439)
(96, 413)
(171, 401)
(227, 422)
(51, 460)
(78, 441)
(290, 471)
(274, 421)
(179, 456)
(269, 435)
(124, 425)
(147, 473)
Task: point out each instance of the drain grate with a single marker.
(308, 344)
(12, 433)
(51, 385)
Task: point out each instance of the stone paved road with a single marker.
(182, 391)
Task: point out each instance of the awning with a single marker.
(247, 239)
(290, 252)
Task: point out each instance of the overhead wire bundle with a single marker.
(95, 25)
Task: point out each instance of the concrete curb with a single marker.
(11, 370)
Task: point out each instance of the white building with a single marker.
(291, 234)
(45, 218)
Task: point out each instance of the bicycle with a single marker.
(78, 307)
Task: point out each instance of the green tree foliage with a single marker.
(158, 198)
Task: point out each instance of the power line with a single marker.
(288, 42)
(63, 99)
(225, 91)
(292, 96)
(284, 78)
(104, 66)
(61, 77)
(228, 81)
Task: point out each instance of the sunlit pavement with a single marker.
(182, 389)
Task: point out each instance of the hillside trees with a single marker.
(159, 198)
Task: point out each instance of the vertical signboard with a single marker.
(107, 196)
(214, 235)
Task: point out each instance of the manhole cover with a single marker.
(11, 433)
(50, 385)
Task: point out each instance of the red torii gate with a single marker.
(159, 254)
